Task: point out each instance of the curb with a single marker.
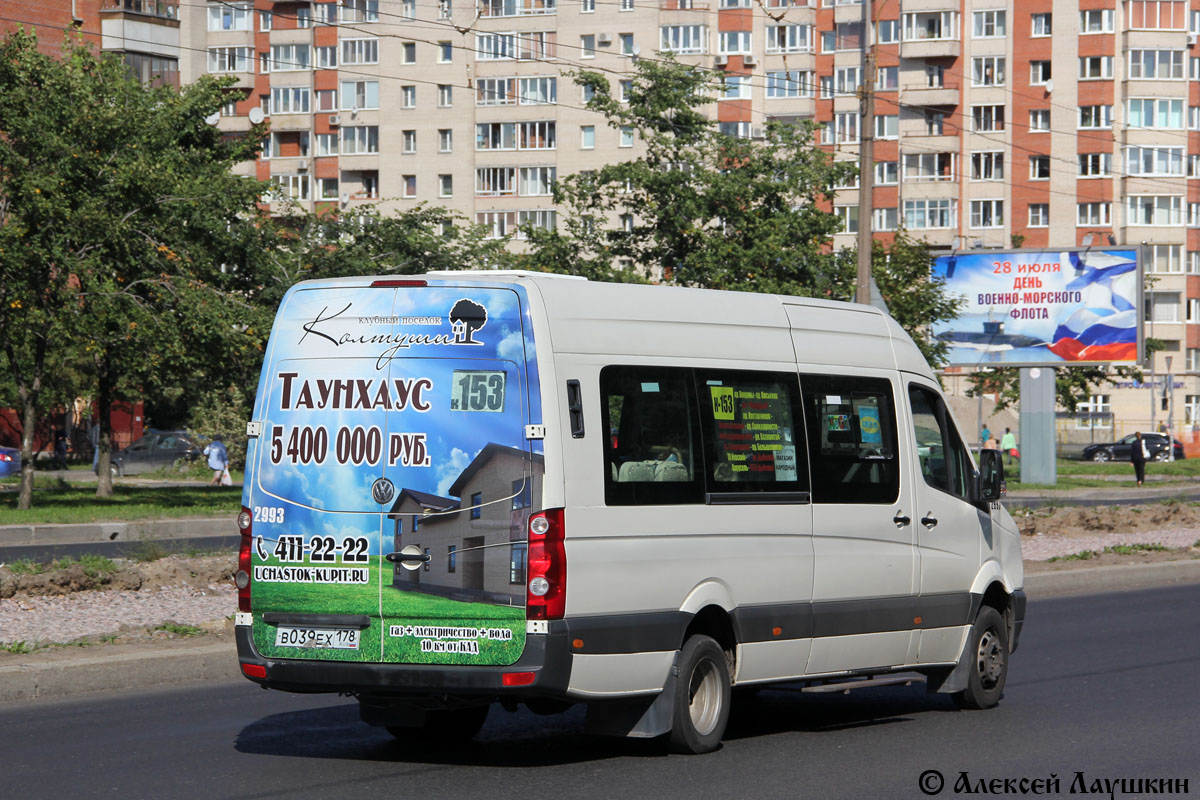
(93, 532)
(212, 662)
(145, 670)
(1095, 580)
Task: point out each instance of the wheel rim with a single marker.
(990, 661)
(704, 697)
(1101, 455)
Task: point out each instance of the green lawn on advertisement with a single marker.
(398, 606)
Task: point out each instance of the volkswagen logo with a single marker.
(383, 491)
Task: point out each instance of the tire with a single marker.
(114, 470)
(702, 697)
(988, 651)
(1101, 455)
(444, 727)
(1162, 455)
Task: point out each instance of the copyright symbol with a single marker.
(931, 781)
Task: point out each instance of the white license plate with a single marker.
(325, 638)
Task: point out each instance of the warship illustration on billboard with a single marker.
(992, 339)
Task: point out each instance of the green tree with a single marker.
(698, 207)
(118, 215)
(914, 297)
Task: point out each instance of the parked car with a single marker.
(1156, 445)
(155, 450)
(10, 461)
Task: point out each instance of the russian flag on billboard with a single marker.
(1106, 328)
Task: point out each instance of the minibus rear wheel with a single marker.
(987, 651)
(702, 697)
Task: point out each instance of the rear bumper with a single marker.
(545, 655)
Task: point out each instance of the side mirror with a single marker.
(991, 476)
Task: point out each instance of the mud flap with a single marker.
(954, 680)
(638, 718)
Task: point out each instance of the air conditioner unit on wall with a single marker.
(603, 38)
(1192, 39)
(721, 61)
(334, 119)
(749, 61)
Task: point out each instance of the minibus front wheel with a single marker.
(987, 651)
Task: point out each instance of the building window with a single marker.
(1039, 168)
(1162, 307)
(445, 140)
(1095, 412)
(627, 46)
(989, 24)
(1156, 64)
(847, 80)
(883, 219)
(1040, 25)
(1095, 117)
(327, 188)
(495, 91)
(291, 186)
(926, 25)
(497, 46)
(516, 564)
(1039, 215)
(408, 97)
(1156, 15)
(496, 136)
(626, 136)
(290, 100)
(537, 136)
(886, 173)
(1039, 73)
(733, 42)
(1098, 20)
(408, 52)
(935, 122)
(929, 214)
(264, 21)
(987, 118)
(587, 137)
(327, 144)
(789, 38)
(327, 57)
(587, 6)
(445, 95)
(935, 76)
(1164, 258)
(848, 216)
(1093, 214)
(358, 95)
(987, 165)
(987, 71)
(495, 181)
(360, 51)
(887, 126)
(1154, 112)
(445, 52)
(229, 17)
(888, 30)
(587, 46)
(230, 59)
(736, 87)
(326, 100)
(789, 83)
(360, 11)
(624, 89)
(1093, 68)
(537, 181)
(360, 139)
(1154, 210)
(538, 91)
(451, 558)
(683, 39)
(303, 17)
(1095, 165)
(987, 213)
(887, 79)
(408, 141)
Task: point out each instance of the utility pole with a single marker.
(866, 159)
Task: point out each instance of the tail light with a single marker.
(245, 569)
(546, 590)
(5, 457)
(396, 283)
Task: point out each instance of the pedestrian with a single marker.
(985, 435)
(60, 449)
(218, 459)
(1137, 456)
(991, 443)
(94, 438)
(1008, 443)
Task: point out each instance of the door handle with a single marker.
(929, 521)
(394, 557)
(901, 519)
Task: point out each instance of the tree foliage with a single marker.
(125, 237)
(915, 297)
(697, 207)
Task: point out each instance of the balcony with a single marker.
(163, 9)
(930, 48)
(948, 143)
(923, 95)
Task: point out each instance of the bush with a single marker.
(224, 412)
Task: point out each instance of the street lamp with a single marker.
(1169, 396)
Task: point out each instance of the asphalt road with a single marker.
(1101, 685)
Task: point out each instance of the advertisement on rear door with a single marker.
(393, 481)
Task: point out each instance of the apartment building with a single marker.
(997, 122)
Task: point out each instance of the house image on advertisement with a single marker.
(476, 543)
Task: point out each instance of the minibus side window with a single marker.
(753, 431)
(652, 453)
(944, 461)
(851, 425)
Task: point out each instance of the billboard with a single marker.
(1043, 307)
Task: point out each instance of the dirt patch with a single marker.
(200, 571)
(1090, 520)
(126, 640)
